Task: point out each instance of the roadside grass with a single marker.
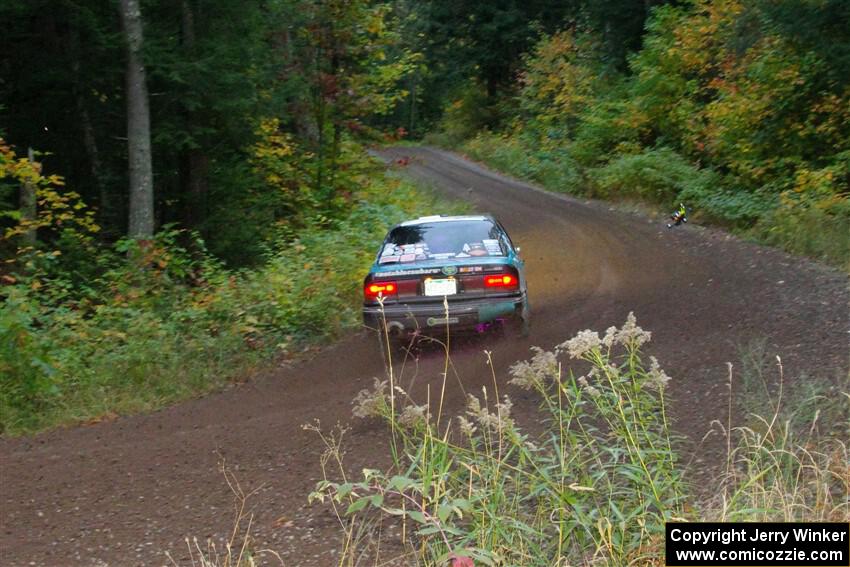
(661, 178)
(817, 404)
(173, 322)
(597, 486)
(807, 232)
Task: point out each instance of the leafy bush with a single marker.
(468, 113)
(516, 155)
(809, 231)
(813, 216)
(657, 175)
(164, 320)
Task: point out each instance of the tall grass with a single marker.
(808, 231)
(595, 487)
(789, 461)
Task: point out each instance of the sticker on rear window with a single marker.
(415, 272)
(444, 240)
(493, 247)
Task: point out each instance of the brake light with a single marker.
(383, 289)
(501, 280)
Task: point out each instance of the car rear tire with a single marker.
(517, 326)
(521, 322)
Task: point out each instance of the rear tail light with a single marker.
(374, 290)
(501, 280)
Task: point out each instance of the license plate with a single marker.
(441, 287)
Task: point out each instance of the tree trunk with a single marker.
(197, 166)
(195, 162)
(89, 140)
(141, 222)
(411, 125)
(337, 127)
(28, 206)
(320, 125)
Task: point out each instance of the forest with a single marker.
(168, 167)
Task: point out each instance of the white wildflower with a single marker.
(523, 375)
(473, 405)
(371, 403)
(610, 335)
(534, 373)
(504, 408)
(496, 420)
(413, 415)
(584, 342)
(630, 335)
(582, 381)
(466, 426)
(657, 377)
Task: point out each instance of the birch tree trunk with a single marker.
(141, 222)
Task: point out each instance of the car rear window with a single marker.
(443, 240)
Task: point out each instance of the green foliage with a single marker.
(482, 41)
(557, 86)
(57, 209)
(788, 461)
(163, 320)
(465, 115)
(486, 44)
(215, 70)
(809, 231)
(657, 175)
(554, 169)
(726, 107)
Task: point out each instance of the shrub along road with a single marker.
(124, 492)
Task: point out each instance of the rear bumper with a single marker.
(461, 313)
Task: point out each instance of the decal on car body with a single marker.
(416, 272)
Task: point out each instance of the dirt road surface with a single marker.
(124, 492)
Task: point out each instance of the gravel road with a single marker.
(126, 491)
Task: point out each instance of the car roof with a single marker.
(445, 218)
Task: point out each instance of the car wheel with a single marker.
(520, 324)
